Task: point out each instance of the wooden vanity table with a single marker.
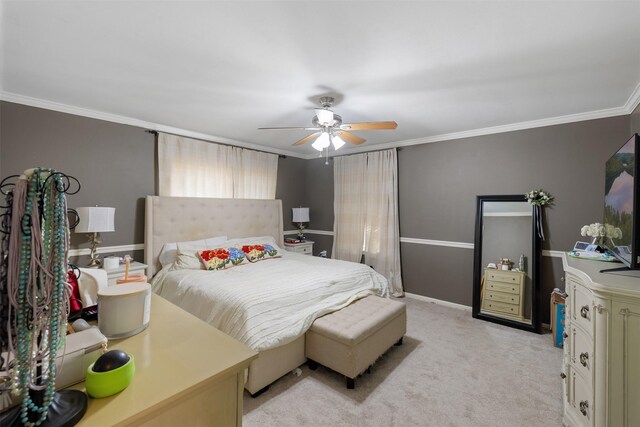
(188, 373)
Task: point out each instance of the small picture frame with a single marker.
(581, 246)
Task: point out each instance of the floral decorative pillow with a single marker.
(221, 258)
(259, 252)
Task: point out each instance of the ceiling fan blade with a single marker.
(307, 138)
(349, 137)
(369, 126)
(289, 128)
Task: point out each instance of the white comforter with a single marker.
(272, 302)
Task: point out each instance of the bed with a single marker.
(267, 305)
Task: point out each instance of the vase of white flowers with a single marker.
(538, 199)
(601, 231)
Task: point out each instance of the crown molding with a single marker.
(532, 124)
(115, 118)
(632, 102)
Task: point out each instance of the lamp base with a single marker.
(94, 263)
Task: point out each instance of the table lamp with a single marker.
(301, 215)
(95, 220)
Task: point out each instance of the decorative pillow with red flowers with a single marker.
(259, 252)
(221, 258)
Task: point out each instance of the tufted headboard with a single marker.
(179, 219)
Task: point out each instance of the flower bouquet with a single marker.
(539, 198)
(600, 231)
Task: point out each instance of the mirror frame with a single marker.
(534, 266)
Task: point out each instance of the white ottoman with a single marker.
(350, 340)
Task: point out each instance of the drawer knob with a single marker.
(583, 359)
(563, 375)
(565, 335)
(584, 405)
(584, 311)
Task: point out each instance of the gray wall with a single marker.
(113, 162)
(438, 185)
(291, 187)
(116, 165)
(319, 198)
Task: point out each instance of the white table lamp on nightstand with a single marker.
(301, 215)
(95, 220)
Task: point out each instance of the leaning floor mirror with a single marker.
(507, 262)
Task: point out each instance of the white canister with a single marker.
(124, 310)
(111, 263)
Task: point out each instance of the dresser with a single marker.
(118, 273)
(503, 293)
(305, 247)
(601, 363)
(188, 373)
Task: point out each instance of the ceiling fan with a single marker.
(330, 129)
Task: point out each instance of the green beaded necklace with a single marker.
(42, 295)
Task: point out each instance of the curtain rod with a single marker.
(363, 152)
(155, 132)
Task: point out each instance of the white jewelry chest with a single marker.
(601, 364)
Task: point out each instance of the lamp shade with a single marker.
(95, 219)
(300, 214)
(321, 142)
(337, 142)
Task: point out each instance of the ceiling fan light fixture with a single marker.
(337, 142)
(321, 142)
(325, 117)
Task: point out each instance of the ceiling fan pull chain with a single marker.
(326, 162)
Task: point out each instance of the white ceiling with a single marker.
(225, 68)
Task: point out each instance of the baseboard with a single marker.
(437, 301)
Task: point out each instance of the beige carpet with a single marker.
(452, 370)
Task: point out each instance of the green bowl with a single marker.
(103, 384)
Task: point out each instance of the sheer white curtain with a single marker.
(254, 174)
(348, 207)
(366, 213)
(193, 168)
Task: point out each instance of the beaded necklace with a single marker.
(41, 295)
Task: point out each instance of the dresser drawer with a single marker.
(581, 307)
(581, 350)
(580, 399)
(305, 250)
(504, 277)
(502, 287)
(501, 307)
(508, 298)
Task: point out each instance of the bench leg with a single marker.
(313, 365)
(399, 341)
(259, 392)
(351, 383)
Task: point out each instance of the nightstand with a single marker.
(118, 273)
(305, 248)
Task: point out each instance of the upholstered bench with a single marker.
(350, 340)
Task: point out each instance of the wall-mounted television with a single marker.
(622, 203)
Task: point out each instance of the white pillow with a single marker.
(169, 251)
